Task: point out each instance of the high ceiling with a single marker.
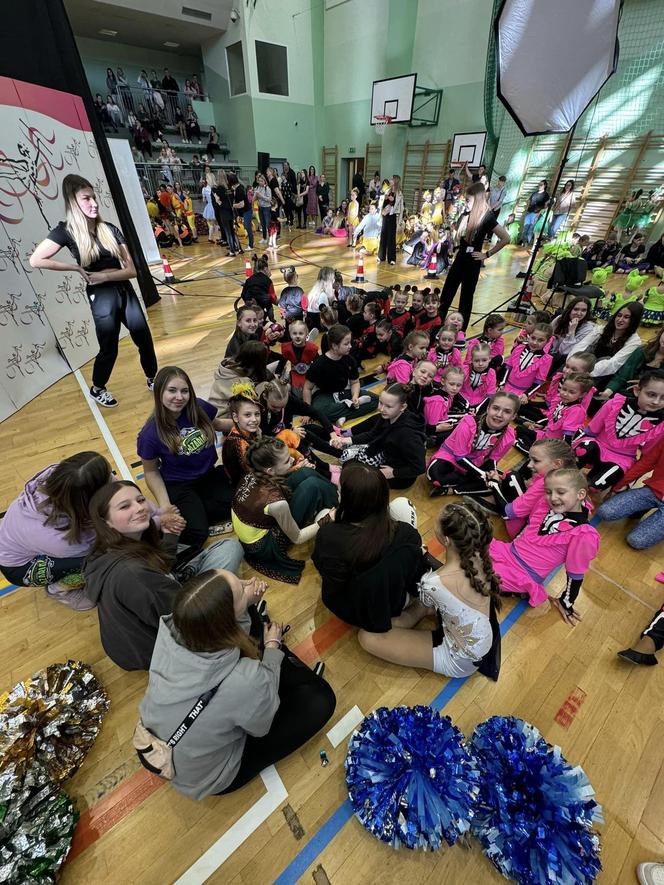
(147, 29)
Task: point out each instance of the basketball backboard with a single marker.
(468, 147)
(393, 97)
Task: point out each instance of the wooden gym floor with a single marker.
(606, 716)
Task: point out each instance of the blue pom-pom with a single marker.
(535, 811)
(410, 778)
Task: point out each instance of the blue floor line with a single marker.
(10, 589)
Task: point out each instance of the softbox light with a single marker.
(553, 57)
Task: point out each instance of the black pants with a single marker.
(307, 702)
(114, 305)
(465, 272)
(602, 474)
(301, 215)
(289, 207)
(323, 207)
(202, 502)
(43, 570)
(387, 251)
(445, 473)
(525, 436)
(655, 629)
(229, 232)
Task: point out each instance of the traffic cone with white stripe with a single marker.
(432, 270)
(248, 272)
(359, 278)
(169, 276)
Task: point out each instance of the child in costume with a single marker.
(245, 412)
(557, 532)
(416, 307)
(480, 379)
(398, 315)
(290, 300)
(437, 214)
(190, 215)
(456, 320)
(468, 458)
(415, 347)
(300, 353)
(563, 420)
(442, 409)
(429, 320)
(352, 217)
(653, 305)
(366, 347)
(492, 334)
(623, 426)
(444, 353)
(539, 316)
(369, 230)
(528, 365)
(389, 342)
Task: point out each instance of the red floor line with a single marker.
(132, 792)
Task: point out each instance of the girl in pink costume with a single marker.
(539, 316)
(556, 533)
(581, 363)
(492, 334)
(440, 423)
(456, 321)
(563, 420)
(444, 354)
(528, 365)
(467, 459)
(415, 346)
(480, 381)
(608, 446)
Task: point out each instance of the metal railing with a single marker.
(151, 175)
(158, 103)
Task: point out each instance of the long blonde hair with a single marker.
(479, 210)
(89, 246)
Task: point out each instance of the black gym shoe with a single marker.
(319, 668)
(150, 383)
(637, 657)
(103, 397)
(489, 505)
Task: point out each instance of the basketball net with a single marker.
(382, 121)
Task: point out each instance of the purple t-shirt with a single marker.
(195, 456)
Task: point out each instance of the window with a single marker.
(272, 64)
(235, 61)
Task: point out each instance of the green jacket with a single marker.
(631, 369)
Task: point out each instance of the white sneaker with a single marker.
(103, 397)
(650, 873)
(363, 400)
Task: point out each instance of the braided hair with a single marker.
(468, 528)
(262, 455)
(556, 450)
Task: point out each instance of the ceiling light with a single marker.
(108, 33)
(171, 45)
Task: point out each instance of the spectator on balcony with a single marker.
(196, 161)
(193, 128)
(197, 86)
(170, 85)
(144, 82)
(125, 96)
(150, 121)
(100, 108)
(180, 124)
(189, 90)
(132, 121)
(111, 82)
(142, 140)
(213, 142)
(114, 112)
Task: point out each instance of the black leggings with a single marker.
(445, 473)
(307, 702)
(602, 474)
(655, 629)
(202, 502)
(465, 272)
(114, 305)
(301, 215)
(42, 570)
(387, 250)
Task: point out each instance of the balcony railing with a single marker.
(158, 103)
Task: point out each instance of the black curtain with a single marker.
(38, 47)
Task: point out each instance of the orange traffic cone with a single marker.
(359, 278)
(169, 276)
(432, 270)
(247, 268)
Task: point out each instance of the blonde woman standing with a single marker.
(103, 260)
(392, 212)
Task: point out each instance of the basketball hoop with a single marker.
(382, 121)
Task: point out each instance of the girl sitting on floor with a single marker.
(455, 320)
(468, 458)
(416, 308)
(480, 380)
(388, 341)
(563, 420)
(259, 286)
(248, 366)
(528, 365)
(444, 408)
(290, 299)
(332, 385)
(429, 320)
(300, 353)
(370, 556)
(464, 593)
(576, 363)
(263, 705)
(414, 349)
(556, 533)
(246, 416)
(178, 447)
(399, 315)
(246, 329)
(444, 353)
(46, 532)
(492, 334)
(608, 446)
(129, 574)
(538, 316)
(274, 508)
(396, 444)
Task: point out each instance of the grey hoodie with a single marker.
(208, 756)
